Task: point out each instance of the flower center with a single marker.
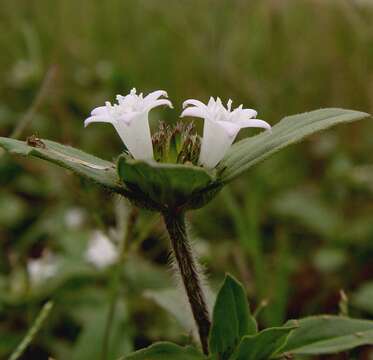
(178, 144)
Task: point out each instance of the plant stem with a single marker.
(115, 286)
(32, 332)
(175, 223)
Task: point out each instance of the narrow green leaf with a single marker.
(231, 319)
(166, 350)
(32, 332)
(327, 335)
(86, 165)
(262, 345)
(292, 129)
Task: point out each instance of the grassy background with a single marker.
(295, 230)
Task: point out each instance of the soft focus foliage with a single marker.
(295, 229)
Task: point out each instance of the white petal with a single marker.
(155, 95)
(254, 123)
(101, 252)
(239, 114)
(156, 103)
(211, 102)
(194, 112)
(136, 136)
(93, 119)
(120, 99)
(215, 142)
(229, 104)
(99, 110)
(250, 113)
(194, 103)
(127, 118)
(230, 127)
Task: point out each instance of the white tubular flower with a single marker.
(130, 119)
(101, 252)
(221, 126)
(43, 268)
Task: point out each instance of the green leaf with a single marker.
(166, 350)
(88, 166)
(262, 345)
(327, 335)
(292, 129)
(168, 185)
(231, 319)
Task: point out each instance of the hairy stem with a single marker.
(175, 223)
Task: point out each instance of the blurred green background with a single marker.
(295, 230)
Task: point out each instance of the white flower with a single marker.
(130, 119)
(74, 217)
(221, 126)
(101, 252)
(43, 268)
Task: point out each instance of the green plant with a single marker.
(173, 189)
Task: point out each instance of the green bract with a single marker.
(167, 186)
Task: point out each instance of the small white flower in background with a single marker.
(42, 268)
(130, 119)
(221, 126)
(101, 252)
(74, 217)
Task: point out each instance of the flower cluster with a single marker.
(129, 116)
(176, 144)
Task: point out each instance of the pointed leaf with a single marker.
(86, 165)
(166, 350)
(327, 335)
(231, 319)
(292, 129)
(262, 345)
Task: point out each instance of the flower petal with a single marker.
(211, 102)
(239, 114)
(136, 136)
(253, 123)
(156, 103)
(155, 95)
(93, 119)
(194, 112)
(230, 128)
(193, 102)
(100, 110)
(218, 136)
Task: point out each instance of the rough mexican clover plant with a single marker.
(176, 170)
